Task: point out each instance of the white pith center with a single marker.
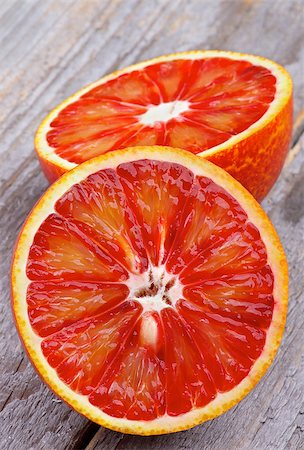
(163, 112)
(155, 290)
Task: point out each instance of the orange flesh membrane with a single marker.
(190, 104)
(150, 290)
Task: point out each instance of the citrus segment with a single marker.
(253, 304)
(53, 305)
(152, 288)
(157, 194)
(235, 350)
(185, 365)
(81, 352)
(209, 103)
(62, 251)
(99, 207)
(135, 386)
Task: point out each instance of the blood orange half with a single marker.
(149, 289)
(233, 109)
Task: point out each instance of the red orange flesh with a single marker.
(155, 287)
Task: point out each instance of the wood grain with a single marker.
(50, 49)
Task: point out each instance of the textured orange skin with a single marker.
(50, 170)
(257, 160)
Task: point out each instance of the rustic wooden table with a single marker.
(50, 49)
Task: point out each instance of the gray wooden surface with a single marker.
(48, 50)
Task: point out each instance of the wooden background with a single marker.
(48, 50)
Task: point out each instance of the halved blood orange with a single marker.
(231, 108)
(149, 289)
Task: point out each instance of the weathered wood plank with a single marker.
(50, 49)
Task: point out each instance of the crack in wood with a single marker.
(85, 437)
(6, 401)
(298, 128)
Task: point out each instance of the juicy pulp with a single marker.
(149, 232)
(194, 104)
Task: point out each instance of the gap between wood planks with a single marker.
(298, 130)
(92, 434)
